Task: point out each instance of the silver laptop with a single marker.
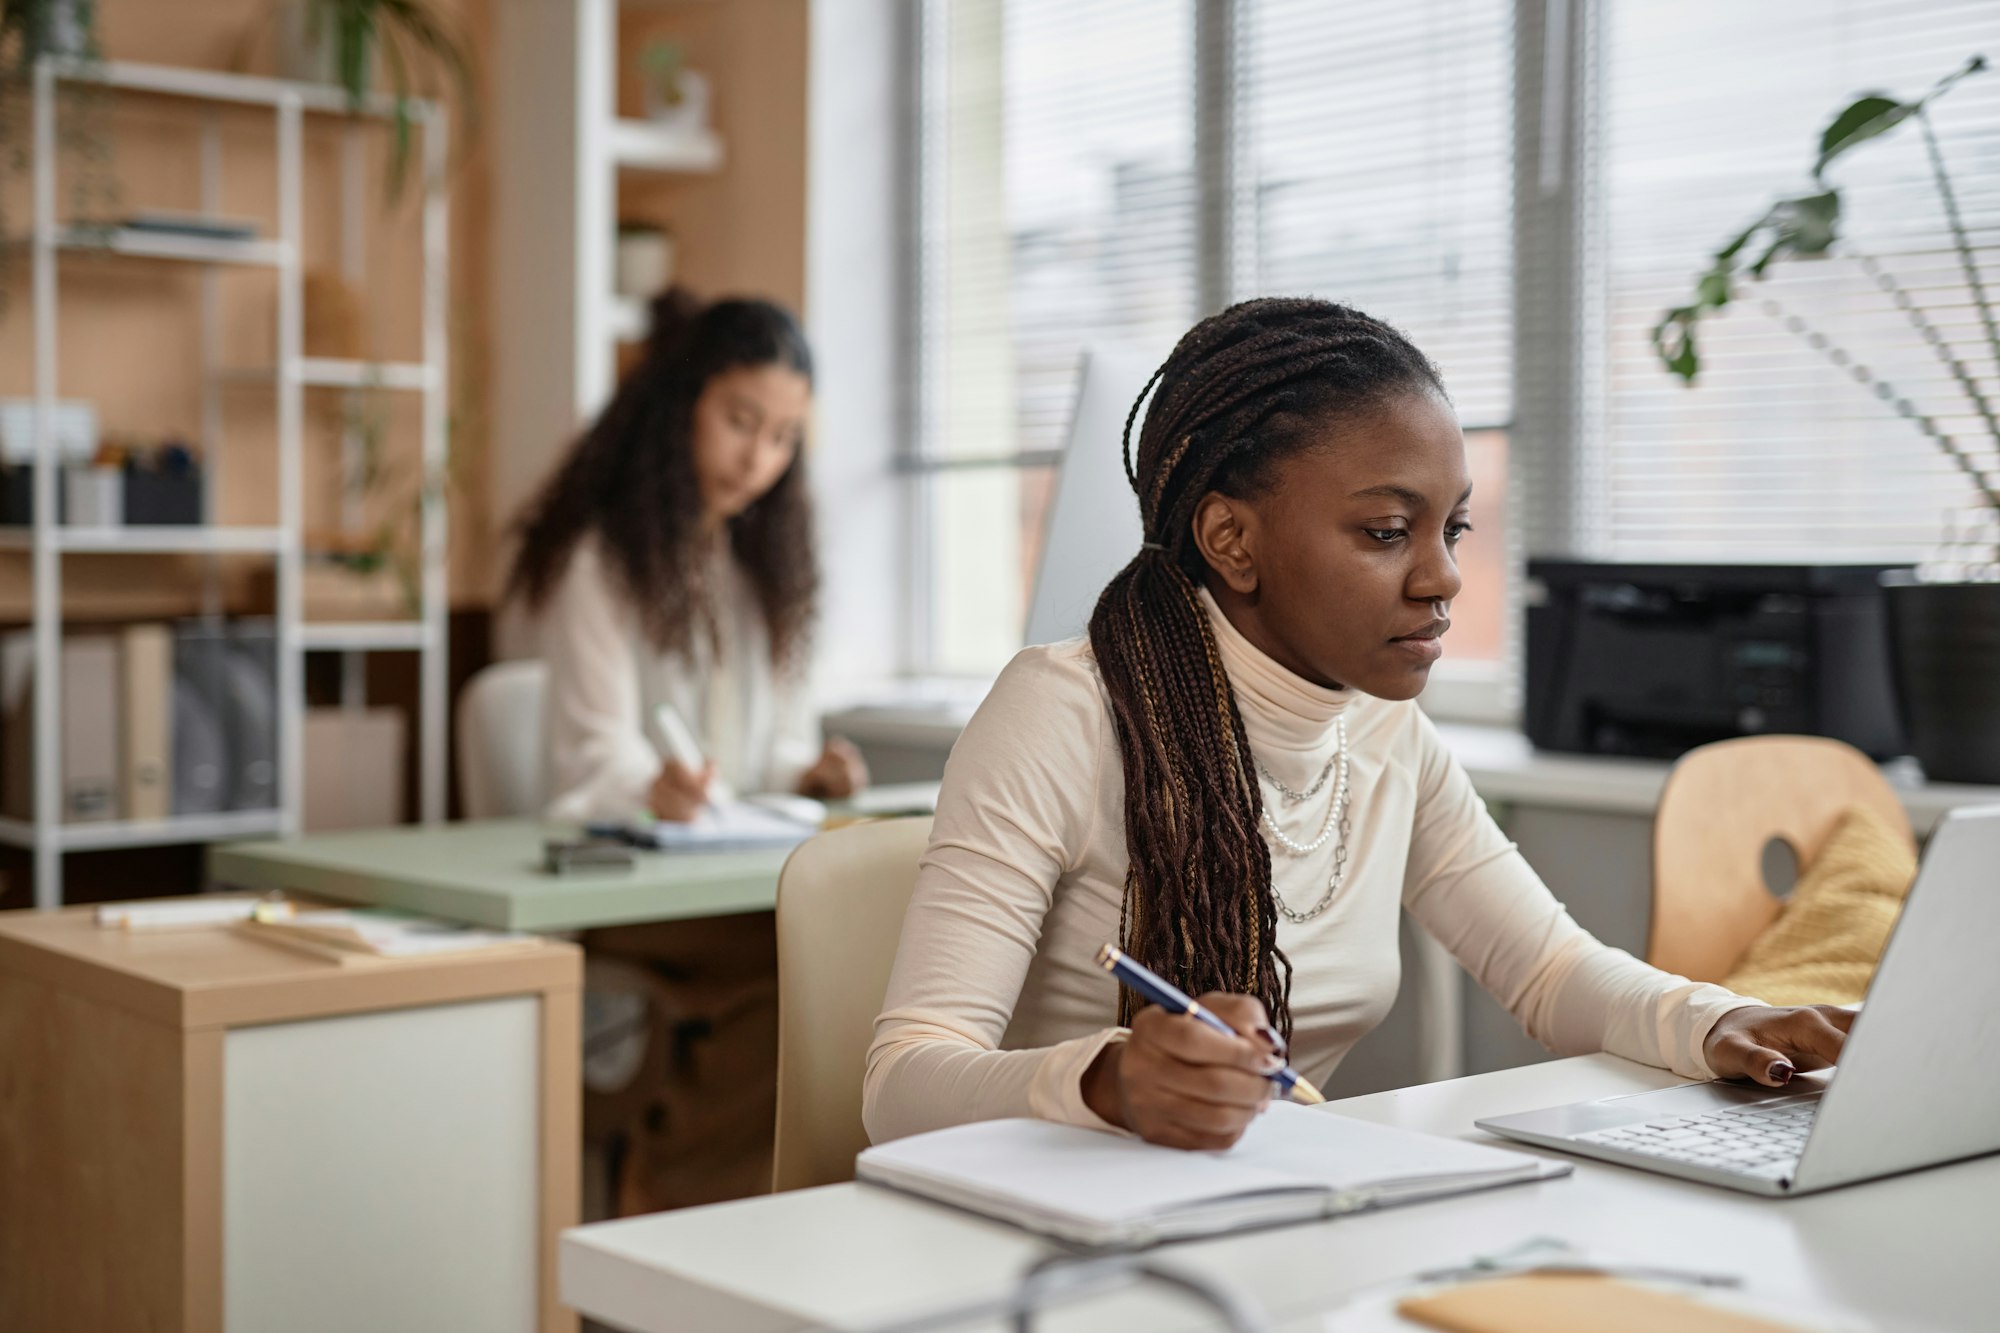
(1918, 1082)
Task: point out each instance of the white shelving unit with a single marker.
(640, 145)
(293, 373)
(561, 148)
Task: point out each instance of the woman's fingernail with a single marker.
(1274, 1064)
(1271, 1037)
(1780, 1071)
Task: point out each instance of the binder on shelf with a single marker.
(91, 783)
(250, 715)
(92, 779)
(225, 716)
(200, 780)
(148, 670)
(17, 725)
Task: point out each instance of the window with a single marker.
(1374, 166)
(1058, 208)
(1707, 111)
(1066, 196)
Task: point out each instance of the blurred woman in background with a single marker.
(670, 561)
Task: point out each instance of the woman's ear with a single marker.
(1224, 534)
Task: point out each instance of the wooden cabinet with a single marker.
(200, 1130)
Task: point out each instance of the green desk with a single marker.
(488, 874)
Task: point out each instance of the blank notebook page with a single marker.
(1061, 1169)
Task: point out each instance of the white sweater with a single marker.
(996, 1006)
(606, 680)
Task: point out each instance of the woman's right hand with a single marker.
(1178, 1082)
(680, 792)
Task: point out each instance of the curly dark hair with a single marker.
(631, 480)
(1244, 389)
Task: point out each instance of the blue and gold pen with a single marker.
(1155, 989)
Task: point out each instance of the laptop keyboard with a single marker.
(1752, 1140)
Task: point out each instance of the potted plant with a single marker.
(29, 31)
(1944, 617)
(675, 95)
(48, 27)
(351, 37)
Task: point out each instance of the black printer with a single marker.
(1654, 660)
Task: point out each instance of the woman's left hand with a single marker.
(1769, 1045)
(837, 774)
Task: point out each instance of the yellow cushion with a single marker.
(1823, 946)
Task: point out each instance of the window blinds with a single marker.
(1370, 161)
(1374, 164)
(1059, 206)
(1705, 112)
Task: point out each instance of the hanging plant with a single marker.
(29, 31)
(413, 43)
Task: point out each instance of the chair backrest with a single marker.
(1722, 804)
(841, 898)
(500, 740)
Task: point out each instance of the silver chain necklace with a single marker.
(1339, 817)
(1294, 797)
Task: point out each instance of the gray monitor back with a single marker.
(1092, 530)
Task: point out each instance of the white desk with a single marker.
(1911, 1252)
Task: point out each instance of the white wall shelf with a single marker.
(326, 373)
(139, 244)
(333, 373)
(147, 539)
(212, 86)
(97, 836)
(640, 145)
(288, 377)
(364, 636)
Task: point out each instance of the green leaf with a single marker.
(1713, 289)
(1863, 120)
(1812, 223)
(1770, 254)
(1677, 351)
(1728, 251)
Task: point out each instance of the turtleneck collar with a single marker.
(1280, 709)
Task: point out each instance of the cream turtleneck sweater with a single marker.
(601, 748)
(996, 1005)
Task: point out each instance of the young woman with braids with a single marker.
(1230, 779)
(670, 559)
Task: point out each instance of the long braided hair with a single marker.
(1242, 390)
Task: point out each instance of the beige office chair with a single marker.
(500, 741)
(840, 914)
(1722, 804)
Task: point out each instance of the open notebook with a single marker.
(729, 826)
(1293, 1164)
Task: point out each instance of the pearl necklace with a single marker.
(1338, 817)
